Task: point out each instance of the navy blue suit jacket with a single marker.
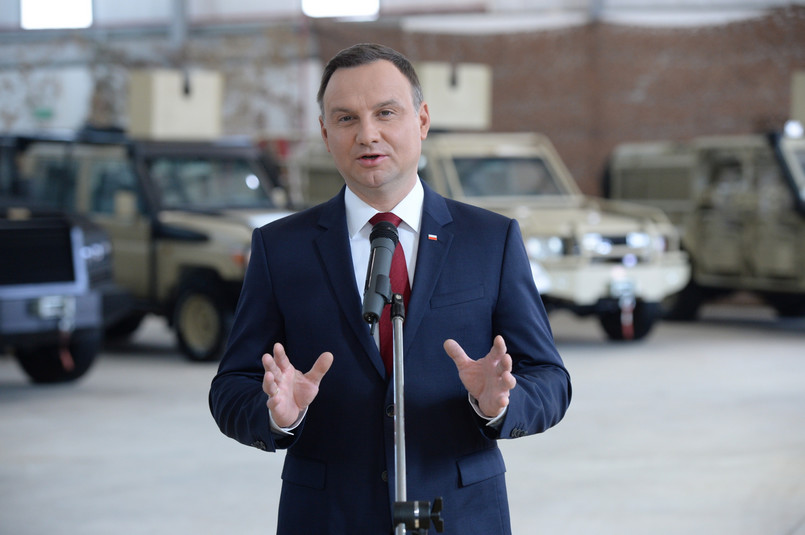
(471, 283)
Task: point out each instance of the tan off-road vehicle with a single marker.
(592, 256)
(740, 204)
(179, 216)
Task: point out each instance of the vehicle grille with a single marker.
(35, 251)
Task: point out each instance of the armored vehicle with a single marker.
(739, 202)
(179, 215)
(615, 260)
(55, 280)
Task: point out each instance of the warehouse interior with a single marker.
(669, 255)
(588, 74)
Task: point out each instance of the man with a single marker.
(480, 362)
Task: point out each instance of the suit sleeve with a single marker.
(237, 400)
(543, 391)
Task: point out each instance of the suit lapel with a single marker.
(333, 246)
(430, 259)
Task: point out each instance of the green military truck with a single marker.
(179, 216)
(739, 202)
(615, 260)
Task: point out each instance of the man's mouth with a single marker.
(370, 157)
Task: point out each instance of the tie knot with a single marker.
(385, 216)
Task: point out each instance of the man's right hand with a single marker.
(289, 390)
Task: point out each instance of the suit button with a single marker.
(384, 476)
(390, 410)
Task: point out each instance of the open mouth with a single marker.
(370, 157)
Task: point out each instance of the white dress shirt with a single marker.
(358, 215)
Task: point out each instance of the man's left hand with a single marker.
(488, 379)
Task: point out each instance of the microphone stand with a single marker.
(415, 515)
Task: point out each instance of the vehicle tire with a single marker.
(202, 320)
(685, 304)
(125, 327)
(643, 317)
(44, 365)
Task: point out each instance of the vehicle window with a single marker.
(48, 174)
(6, 172)
(426, 172)
(207, 183)
(726, 181)
(774, 197)
(492, 177)
(108, 177)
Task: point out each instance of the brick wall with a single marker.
(591, 87)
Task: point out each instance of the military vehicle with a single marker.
(179, 215)
(739, 202)
(55, 290)
(615, 260)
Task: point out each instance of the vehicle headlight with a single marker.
(595, 243)
(96, 252)
(638, 240)
(544, 247)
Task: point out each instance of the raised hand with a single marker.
(488, 379)
(289, 390)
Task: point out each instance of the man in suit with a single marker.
(303, 371)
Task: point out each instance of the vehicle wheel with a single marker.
(643, 317)
(787, 306)
(202, 321)
(684, 305)
(44, 365)
(121, 330)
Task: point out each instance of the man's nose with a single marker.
(368, 132)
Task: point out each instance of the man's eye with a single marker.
(386, 113)
(345, 119)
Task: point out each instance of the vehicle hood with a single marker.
(225, 224)
(574, 215)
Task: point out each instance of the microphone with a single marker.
(377, 291)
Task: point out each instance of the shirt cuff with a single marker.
(286, 431)
(490, 422)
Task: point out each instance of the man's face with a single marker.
(372, 130)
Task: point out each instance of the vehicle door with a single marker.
(112, 198)
(716, 231)
(777, 227)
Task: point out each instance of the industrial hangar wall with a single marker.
(588, 87)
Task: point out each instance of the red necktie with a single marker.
(399, 285)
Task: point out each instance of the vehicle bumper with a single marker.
(22, 317)
(587, 284)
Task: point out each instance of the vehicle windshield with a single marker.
(505, 177)
(207, 183)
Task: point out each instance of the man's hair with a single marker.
(363, 54)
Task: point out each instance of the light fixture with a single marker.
(55, 14)
(341, 9)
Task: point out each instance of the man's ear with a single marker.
(424, 120)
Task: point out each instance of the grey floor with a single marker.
(700, 429)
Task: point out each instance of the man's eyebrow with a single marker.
(386, 103)
(339, 110)
(393, 102)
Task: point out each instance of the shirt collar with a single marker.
(409, 210)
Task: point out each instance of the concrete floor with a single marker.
(700, 429)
